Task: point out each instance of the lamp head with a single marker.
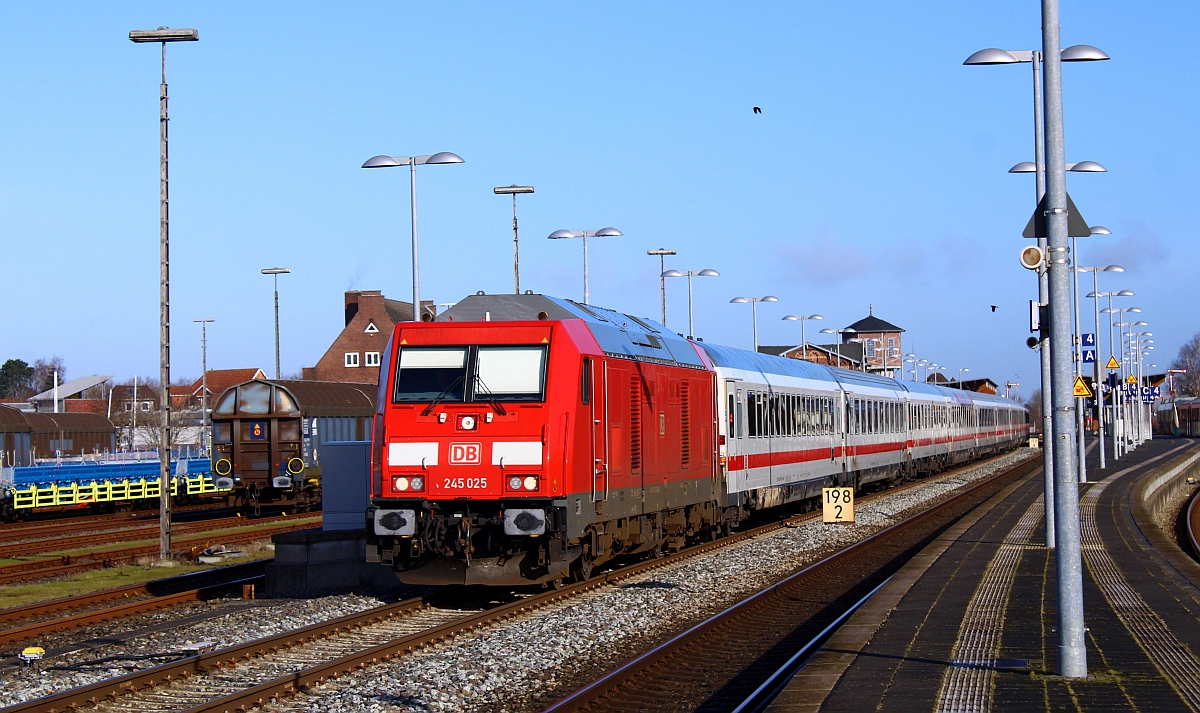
(276, 271)
(1087, 167)
(382, 162)
(165, 34)
(768, 298)
(507, 190)
(672, 273)
(1083, 53)
(1125, 293)
(738, 300)
(1100, 230)
(447, 157)
(1114, 268)
(562, 234)
(991, 55)
(706, 272)
(1024, 167)
(660, 251)
(608, 233)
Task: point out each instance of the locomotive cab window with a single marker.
(510, 373)
(254, 398)
(426, 374)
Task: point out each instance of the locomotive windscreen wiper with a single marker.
(492, 400)
(445, 392)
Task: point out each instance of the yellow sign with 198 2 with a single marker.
(837, 504)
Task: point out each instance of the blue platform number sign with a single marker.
(258, 430)
(1089, 340)
(1089, 355)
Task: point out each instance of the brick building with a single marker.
(881, 345)
(355, 354)
(845, 356)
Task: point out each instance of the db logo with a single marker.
(464, 454)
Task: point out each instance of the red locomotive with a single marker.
(523, 439)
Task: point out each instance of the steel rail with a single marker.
(139, 532)
(1193, 526)
(298, 680)
(613, 680)
(180, 583)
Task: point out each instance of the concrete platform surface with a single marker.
(969, 624)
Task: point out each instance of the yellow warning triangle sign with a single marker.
(1131, 379)
(1081, 388)
(1112, 363)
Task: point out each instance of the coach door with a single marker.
(600, 436)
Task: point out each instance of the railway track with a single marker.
(137, 532)
(735, 660)
(59, 566)
(26, 622)
(251, 674)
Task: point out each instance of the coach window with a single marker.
(227, 404)
(426, 374)
(585, 382)
(741, 416)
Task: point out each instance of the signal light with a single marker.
(403, 483)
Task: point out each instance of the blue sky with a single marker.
(876, 173)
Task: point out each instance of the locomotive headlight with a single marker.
(400, 484)
(514, 483)
(531, 483)
(418, 484)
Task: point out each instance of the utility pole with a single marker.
(163, 35)
(204, 424)
(514, 190)
(662, 278)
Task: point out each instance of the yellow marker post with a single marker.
(1081, 389)
(837, 504)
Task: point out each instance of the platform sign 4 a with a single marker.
(1087, 340)
(1081, 389)
(1089, 356)
(837, 504)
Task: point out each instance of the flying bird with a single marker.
(993, 308)
(757, 110)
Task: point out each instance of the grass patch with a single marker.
(15, 595)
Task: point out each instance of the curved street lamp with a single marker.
(753, 301)
(803, 340)
(412, 162)
(689, 274)
(841, 333)
(585, 234)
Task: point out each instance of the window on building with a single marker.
(371, 358)
(351, 359)
(869, 347)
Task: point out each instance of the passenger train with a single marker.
(525, 439)
(1178, 417)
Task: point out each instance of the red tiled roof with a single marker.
(221, 379)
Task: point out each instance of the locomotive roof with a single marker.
(619, 335)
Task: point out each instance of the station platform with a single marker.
(969, 624)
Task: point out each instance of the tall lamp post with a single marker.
(1095, 295)
(1036, 58)
(841, 339)
(514, 190)
(1120, 445)
(689, 274)
(164, 35)
(204, 424)
(275, 272)
(960, 379)
(585, 234)
(803, 340)
(412, 162)
(662, 278)
(753, 301)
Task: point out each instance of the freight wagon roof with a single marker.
(331, 398)
(619, 335)
(69, 423)
(12, 421)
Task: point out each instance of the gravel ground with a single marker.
(262, 618)
(528, 662)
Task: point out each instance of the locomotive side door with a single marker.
(600, 436)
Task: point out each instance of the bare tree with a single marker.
(43, 373)
(1034, 404)
(1189, 358)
